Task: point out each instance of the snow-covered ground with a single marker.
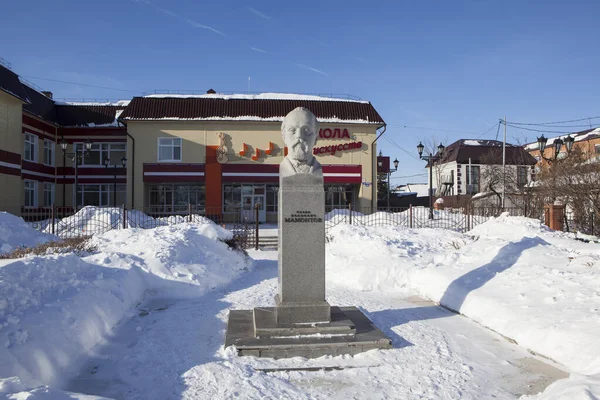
(14, 233)
(144, 316)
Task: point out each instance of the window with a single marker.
(169, 149)
(175, 197)
(597, 148)
(99, 151)
(232, 196)
(30, 153)
(338, 196)
(30, 193)
(522, 176)
(272, 196)
(101, 195)
(49, 147)
(473, 179)
(48, 194)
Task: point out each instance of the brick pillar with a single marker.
(554, 216)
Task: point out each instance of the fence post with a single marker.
(410, 216)
(189, 212)
(124, 217)
(256, 241)
(52, 218)
(350, 209)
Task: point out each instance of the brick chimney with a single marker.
(47, 94)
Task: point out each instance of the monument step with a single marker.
(265, 325)
(240, 332)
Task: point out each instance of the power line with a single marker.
(537, 130)
(556, 122)
(432, 129)
(408, 176)
(498, 131)
(398, 146)
(485, 133)
(81, 84)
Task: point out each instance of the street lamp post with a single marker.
(76, 156)
(557, 145)
(106, 162)
(388, 172)
(430, 158)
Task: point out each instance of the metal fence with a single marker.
(244, 223)
(584, 221)
(455, 219)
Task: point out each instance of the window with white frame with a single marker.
(99, 151)
(169, 149)
(597, 148)
(522, 175)
(30, 193)
(49, 147)
(30, 151)
(48, 194)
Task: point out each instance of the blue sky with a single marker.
(433, 69)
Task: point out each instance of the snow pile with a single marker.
(55, 308)
(542, 286)
(576, 387)
(418, 217)
(14, 232)
(92, 220)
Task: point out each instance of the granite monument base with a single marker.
(257, 333)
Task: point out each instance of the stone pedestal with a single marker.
(301, 294)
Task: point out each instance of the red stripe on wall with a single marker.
(37, 167)
(27, 176)
(342, 169)
(256, 168)
(174, 179)
(48, 128)
(9, 157)
(174, 167)
(10, 171)
(111, 131)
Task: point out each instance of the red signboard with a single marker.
(383, 164)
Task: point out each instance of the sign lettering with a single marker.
(303, 217)
(336, 133)
(337, 147)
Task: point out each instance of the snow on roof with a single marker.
(261, 119)
(118, 103)
(575, 135)
(469, 142)
(260, 96)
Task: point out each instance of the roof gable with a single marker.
(484, 152)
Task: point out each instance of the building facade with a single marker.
(474, 167)
(222, 153)
(161, 154)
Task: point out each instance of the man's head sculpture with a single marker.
(299, 131)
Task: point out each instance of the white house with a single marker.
(469, 167)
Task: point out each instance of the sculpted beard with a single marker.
(299, 150)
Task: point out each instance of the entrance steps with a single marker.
(266, 242)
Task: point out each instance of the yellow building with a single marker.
(221, 153)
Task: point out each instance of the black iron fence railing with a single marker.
(247, 224)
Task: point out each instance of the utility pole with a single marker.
(504, 166)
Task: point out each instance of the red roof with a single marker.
(206, 108)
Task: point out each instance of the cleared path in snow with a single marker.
(172, 349)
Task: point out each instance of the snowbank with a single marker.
(54, 309)
(576, 387)
(510, 274)
(92, 220)
(14, 232)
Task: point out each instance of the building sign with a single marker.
(303, 216)
(336, 133)
(337, 147)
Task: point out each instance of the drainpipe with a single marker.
(374, 162)
(120, 121)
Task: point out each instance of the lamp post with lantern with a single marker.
(388, 172)
(430, 158)
(557, 145)
(77, 156)
(106, 162)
